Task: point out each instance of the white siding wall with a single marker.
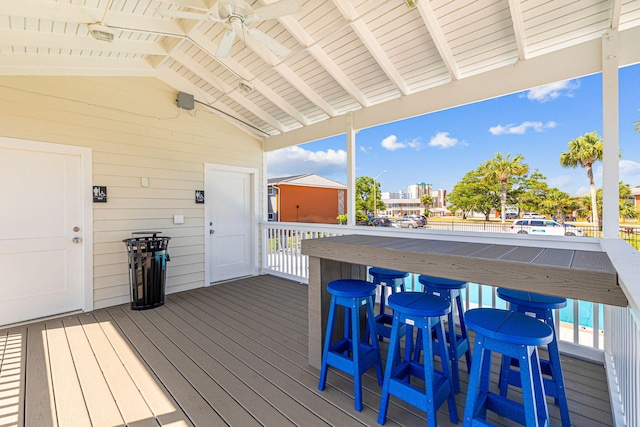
(135, 130)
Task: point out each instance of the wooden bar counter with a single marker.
(586, 275)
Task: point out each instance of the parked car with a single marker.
(367, 222)
(545, 227)
(533, 215)
(381, 222)
(511, 215)
(566, 218)
(420, 219)
(406, 222)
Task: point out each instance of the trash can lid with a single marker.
(153, 233)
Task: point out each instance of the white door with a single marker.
(41, 202)
(229, 213)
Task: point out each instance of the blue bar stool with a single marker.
(458, 343)
(386, 279)
(350, 354)
(422, 311)
(542, 306)
(513, 335)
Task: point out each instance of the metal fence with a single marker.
(629, 233)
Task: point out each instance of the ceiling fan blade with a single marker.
(188, 15)
(224, 48)
(269, 43)
(274, 10)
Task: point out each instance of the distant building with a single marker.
(401, 207)
(439, 198)
(635, 197)
(394, 195)
(418, 190)
(401, 203)
(306, 198)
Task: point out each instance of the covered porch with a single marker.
(231, 354)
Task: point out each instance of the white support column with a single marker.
(611, 134)
(351, 171)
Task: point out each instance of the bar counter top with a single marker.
(583, 274)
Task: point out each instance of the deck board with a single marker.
(161, 403)
(132, 406)
(232, 354)
(12, 369)
(97, 394)
(39, 407)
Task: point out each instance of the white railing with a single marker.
(622, 360)
(580, 323)
(582, 326)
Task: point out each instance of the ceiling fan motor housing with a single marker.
(238, 9)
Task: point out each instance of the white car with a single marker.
(405, 222)
(533, 215)
(544, 227)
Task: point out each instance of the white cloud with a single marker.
(580, 191)
(443, 140)
(391, 143)
(630, 172)
(362, 148)
(562, 181)
(297, 160)
(520, 129)
(552, 91)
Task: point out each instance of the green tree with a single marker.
(364, 195)
(499, 170)
(558, 203)
(427, 201)
(471, 193)
(530, 191)
(626, 206)
(584, 151)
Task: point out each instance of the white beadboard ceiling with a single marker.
(364, 62)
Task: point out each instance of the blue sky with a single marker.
(440, 148)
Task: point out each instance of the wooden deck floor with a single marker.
(233, 354)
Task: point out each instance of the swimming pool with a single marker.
(585, 308)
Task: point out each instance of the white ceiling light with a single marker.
(101, 32)
(245, 86)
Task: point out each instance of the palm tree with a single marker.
(427, 201)
(500, 169)
(558, 203)
(585, 151)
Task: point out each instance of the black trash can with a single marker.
(147, 269)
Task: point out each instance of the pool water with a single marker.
(585, 309)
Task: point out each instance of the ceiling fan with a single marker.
(236, 15)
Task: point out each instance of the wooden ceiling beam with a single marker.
(323, 59)
(518, 28)
(439, 39)
(368, 39)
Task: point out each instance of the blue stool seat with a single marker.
(386, 279)
(513, 335)
(458, 343)
(350, 354)
(542, 307)
(422, 311)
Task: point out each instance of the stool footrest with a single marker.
(402, 388)
(508, 408)
(337, 358)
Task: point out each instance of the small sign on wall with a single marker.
(99, 194)
(199, 196)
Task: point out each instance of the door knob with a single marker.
(211, 231)
(76, 240)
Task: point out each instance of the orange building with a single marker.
(306, 198)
